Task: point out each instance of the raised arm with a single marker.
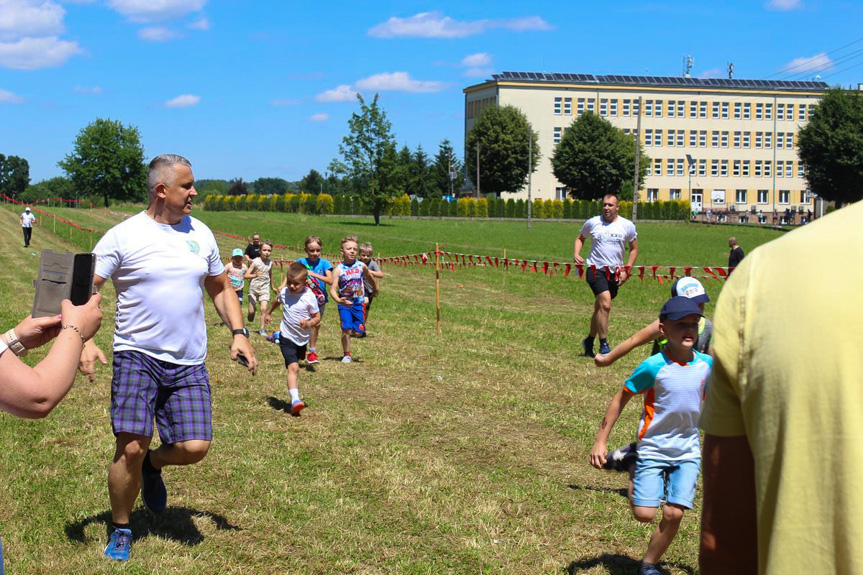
(645, 335)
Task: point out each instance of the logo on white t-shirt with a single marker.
(193, 246)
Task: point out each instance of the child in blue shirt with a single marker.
(669, 452)
(321, 273)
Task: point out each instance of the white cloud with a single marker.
(201, 24)
(35, 53)
(319, 118)
(156, 10)
(809, 65)
(436, 25)
(398, 82)
(86, 90)
(477, 60)
(343, 93)
(285, 102)
(30, 18)
(183, 101)
(784, 5)
(7, 97)
(157, 34)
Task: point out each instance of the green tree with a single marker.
(595, 159)
(268, 186)
(444, 162)
(14, 175)
(369, 151)
(58, 187)
(503, 135)
(404, 167)
(107, 160)
(313, 182)
(419, 173)
(238, 188)
(831, 147)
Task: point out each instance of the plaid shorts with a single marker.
(178, 396)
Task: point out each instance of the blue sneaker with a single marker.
(648, 569)
(297, 406)
(153, 490)
(588, 349)
(119, 545)
(604, 349)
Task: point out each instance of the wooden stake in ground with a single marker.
(505, 267)
(437, 283)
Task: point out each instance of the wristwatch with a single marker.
(14, 344)
(241, 331)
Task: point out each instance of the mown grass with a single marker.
(459, 453)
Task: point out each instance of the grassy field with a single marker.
(459, 453)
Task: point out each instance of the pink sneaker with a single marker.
(297, 407)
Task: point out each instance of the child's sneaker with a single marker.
(297, 406)
(645, 568)
(604, 348)
(262, 332)
(119, 545)
(346, 359)
(274, 337)
(622, 458)
(312, 357)
(588, 349)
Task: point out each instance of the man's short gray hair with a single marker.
(157, 171)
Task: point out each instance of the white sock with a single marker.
(295, 394)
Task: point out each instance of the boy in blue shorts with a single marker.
(349, 292)
(669, 452)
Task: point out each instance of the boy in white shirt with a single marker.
(299, 314)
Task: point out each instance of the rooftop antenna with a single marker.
(687, 65)
(730, 70)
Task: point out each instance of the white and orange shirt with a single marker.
(673, 393)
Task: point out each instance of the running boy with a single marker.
(261, 284)
(349, 292)
(366, 251)
(669, 453)
(237, 272)
(321, 273)
(299, 315)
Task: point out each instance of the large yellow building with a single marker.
(724, 144)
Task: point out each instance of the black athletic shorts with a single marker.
(599, 283)
(292, 352)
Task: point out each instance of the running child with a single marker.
(237, 272)
(348, 291)
(299, 315)
(261, 284)
(668, 449)
(321, 274)
(366, 251)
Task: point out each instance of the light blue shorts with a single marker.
(670, 481)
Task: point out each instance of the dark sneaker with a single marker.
(604, 349)
(296, 407)
(648, 569)
(119, 545)
(153, 490)
(588, 349)
(622, 458)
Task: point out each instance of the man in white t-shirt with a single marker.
(162, 261)
(27, 221)
(609, 235)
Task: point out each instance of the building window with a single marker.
(693, 109)
(715, 110)
(780, 140)
(671, 134)
(591, 105)
(768, 168)
(648, 107)
(763, 196)
(789, 112)
(658, 109)
(652, 194)
(811, 110)
(747, 108)
(768, 111)
(714, 168)
(801, 112)
(680, 138)
(758, 137)
(560, 193)
(737, 110)
(784, 196)
(680, 167)
(669, 167)
(758, 168)
(724, 110)
(736, 139)
(671, 104)
(636, 107)
(740, 196)
(702, 110)
(648, 137)
(724, 169)
(557, 105)
(789, 169)
(768, 140)
(803, 198)
(702, 168)
(693, 138)
(801, 172)
(789, 140)
(627, 131)
(603, 107)
(613, 108)
(657, 166)
(746, 139)
(759, 111)
(702, 138)
(780, 111)
(626, 104)
(745, 172)
(680, 106)
(674, 194)
(657, 138)
(724, 139)
(567, 106)
(557, 135)
(714, 139)
(580, 109)
(780, 169)
(735, 168)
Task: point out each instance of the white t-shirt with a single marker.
(158, 271)
(608, 241)
(27, 220)
(296, 307)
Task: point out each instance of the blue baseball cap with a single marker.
(691, 288)
(679, 307)
(237, 252)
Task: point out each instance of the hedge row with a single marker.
(435, 207)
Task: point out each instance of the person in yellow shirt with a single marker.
(783, 416)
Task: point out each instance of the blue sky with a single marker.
(264, 88)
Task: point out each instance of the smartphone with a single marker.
(62, 276)
(241, 359)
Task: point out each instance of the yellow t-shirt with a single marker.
(788, 374)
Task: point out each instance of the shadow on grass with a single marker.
(367, 224)
(623, 492)
(175, 523)
(620, 565)
(338, 359)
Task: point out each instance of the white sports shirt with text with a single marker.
(608, 240)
